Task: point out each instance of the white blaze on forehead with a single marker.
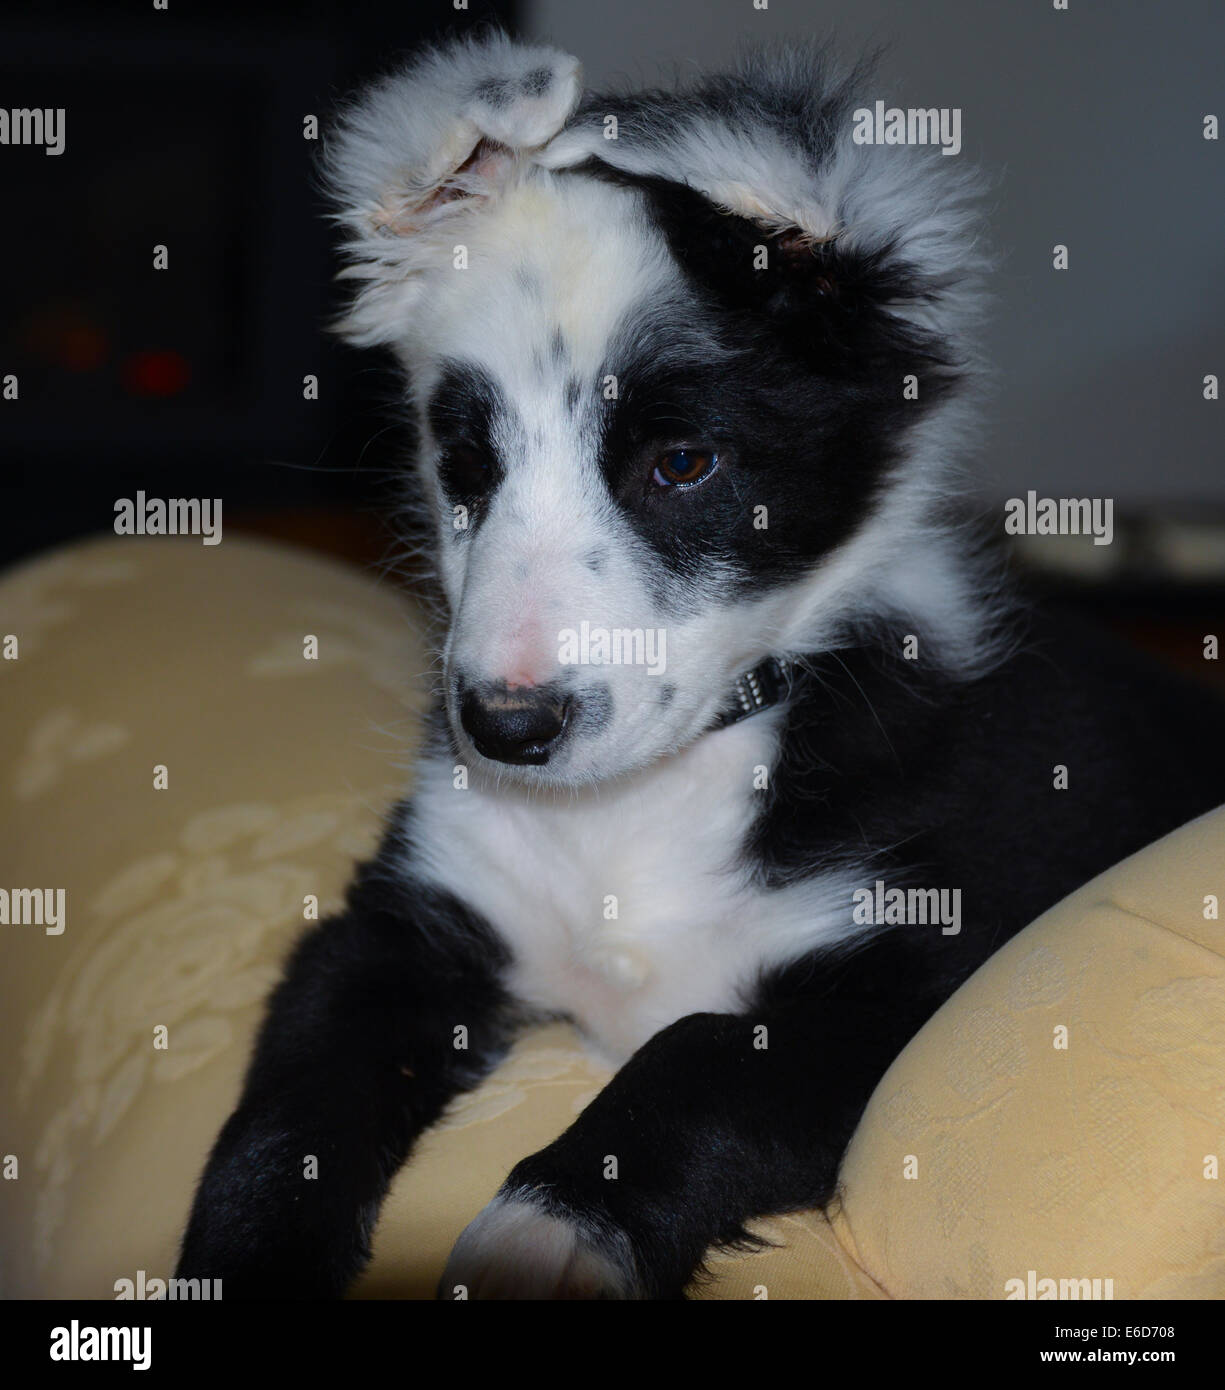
(568, 256)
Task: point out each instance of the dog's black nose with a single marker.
(517, 725)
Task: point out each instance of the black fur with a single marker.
(358, 1056)
(791, 370)
(462, 410)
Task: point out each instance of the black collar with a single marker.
(763, 687)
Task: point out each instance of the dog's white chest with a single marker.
(626, 907)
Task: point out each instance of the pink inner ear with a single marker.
(487, 160)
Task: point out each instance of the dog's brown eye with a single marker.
(684, 467)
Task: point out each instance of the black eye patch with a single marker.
(463, 410)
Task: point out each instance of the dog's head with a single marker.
(684, 365)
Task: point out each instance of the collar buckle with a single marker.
(768, 683)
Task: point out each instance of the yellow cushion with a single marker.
(135, 654)
(1094, 1159)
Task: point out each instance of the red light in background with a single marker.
(159, 373)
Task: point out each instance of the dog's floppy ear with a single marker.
(425, 147)
(773, 143)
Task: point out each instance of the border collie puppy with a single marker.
(691, 372)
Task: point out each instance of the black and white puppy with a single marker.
(692, 373)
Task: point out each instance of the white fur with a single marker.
(514, 1250)
(692, 929)
(403, 143)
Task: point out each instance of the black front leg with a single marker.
(384, 1014)
(718, 1119)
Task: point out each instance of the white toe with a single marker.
(513, 1250)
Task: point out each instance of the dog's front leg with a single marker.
(383, 1015)
(718, 1119)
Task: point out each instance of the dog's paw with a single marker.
(515, 1250)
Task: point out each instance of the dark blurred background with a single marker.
(185, 129)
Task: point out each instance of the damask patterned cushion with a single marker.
(1066, 1109)
(171, 759)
